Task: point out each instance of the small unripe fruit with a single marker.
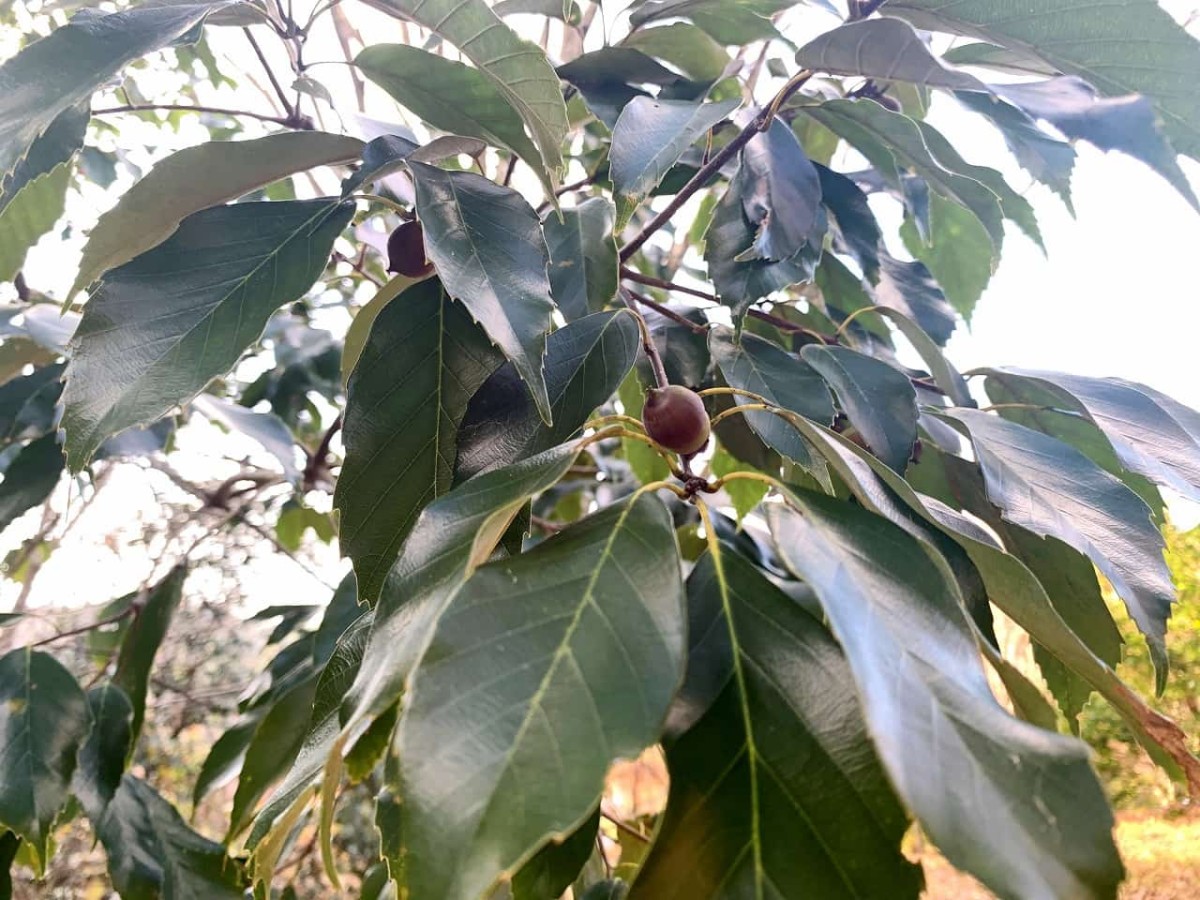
(406, 251)
(675, 417)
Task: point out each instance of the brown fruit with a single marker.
(676, 418)
(406, 251)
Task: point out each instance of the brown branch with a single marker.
(790, 327)
(84, 629)
(706, 173)
(279, 91)
(667, 312)
(650, 281)
(648, 345)
(216, 110)
(318, 461)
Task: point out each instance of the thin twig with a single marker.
(648, 345)
(318, 461)
(279, 91)
(650, 281)
(667, 312)
(216, 110)
(84, 629)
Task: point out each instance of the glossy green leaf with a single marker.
(142, 639)
(686, 47)
(455, 534)
(756, 365)
(153, 853)
(585, 364)
(924, 696)
(775, 788)
(102, 756)
(1052, 489)
(649, 138)
(885, 49)
(852, 216)
(421, 365)
(958, 252)
(360, 328)
(369, 749)
(54, 74)
(744, 493)
(160, 327)
(738, 22)
(909, 288)
(450, 96)
(43, 722)
(30, 478)
(271, 751)
(1134, 47)
(29, 216)
(1003, 59)
(944, 374)
(553, 868)
(583, 257)
(558, 639)
(197, 178)
(224, 759)
(878, 399)
(56, 146)
(780, 193)
(488, 247)
(889, 139)
(518, 67)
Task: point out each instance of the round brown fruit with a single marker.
(406, 251)
(675, 417)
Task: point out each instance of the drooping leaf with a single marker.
(855, 222)
(585, 364)
(915, 662)
(944, 374)
(161, 326)
(744, 493)
(882, 48)
(890, 139)
(43, 722)
(1052, 489)
(29, 216)
(649, 138)
(30, 478)
(518, 67)
(552, 869)
(756, 365)
(450, 96)
(141, 642)
(775, 787)
(224, 759)
(909, 288)
(421, 365)
(153, 853)
(488, 247)
(1003, 59)
(606, 79)
(455, 534)
(1135, 47)
(958, 253)
(102, 756)
(195, 179)
(264, 428)
(56, 146)
(360, 328)
(780, 192)
(878, 399)
(740, 22)
(606, 602)
(55, 73)
(369, 749)
(583, 257)
(686, 47)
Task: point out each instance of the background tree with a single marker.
(629, 236)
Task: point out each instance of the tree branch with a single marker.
(650, 281)
(667, 312)
(648, 345)
(148, 107)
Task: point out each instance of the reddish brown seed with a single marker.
(406, 251)
(675, 417)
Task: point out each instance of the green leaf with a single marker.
(878, 399)
(585, 364)
(153, 853)
(775, 789)
(29, 216)
(583, 257)
(423, 361)
(271, 751)
(53, 148)
(161, 326)
(43, 722)
(728, 21)
(1052, 489)
(884, 49)
(648, 139)
(944, 374)
(761, 367)
(142, 639)
(59, 71)
(1010, 585)
(1003, 59)
(781, 194)
(889, 139)
(958, 253)
(224, 759)
(10, 845)
(683, 46)
(578, 643)
(1134, 47)
(450, 96)
(369, 749)
(487, 245)
(744, 493)
(455, 534)
(360, 328)
(852, 215)
(909, 288)
(518, 67)
(552, 869)
(646, 464)
(914, 659)
(295, 519)
(102, 756)
(30, 478)
(198, 178)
